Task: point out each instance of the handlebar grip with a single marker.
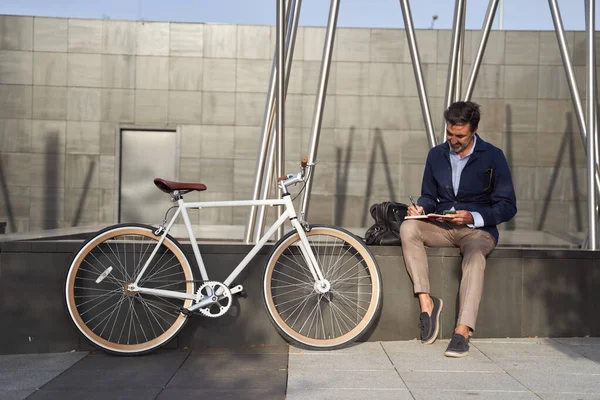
(304, 162)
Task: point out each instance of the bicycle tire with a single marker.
(105, 312)
(301, 314)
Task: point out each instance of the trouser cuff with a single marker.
(421, 288)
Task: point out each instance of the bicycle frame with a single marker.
(290, 213)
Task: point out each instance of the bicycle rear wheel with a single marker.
(97, 295)
(317, 320)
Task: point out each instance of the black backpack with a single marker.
(386, 231)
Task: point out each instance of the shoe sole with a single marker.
(437, 325)
(456, 354)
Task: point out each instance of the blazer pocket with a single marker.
(488, 179)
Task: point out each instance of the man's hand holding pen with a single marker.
(414, 209)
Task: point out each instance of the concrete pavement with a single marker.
(544, 368)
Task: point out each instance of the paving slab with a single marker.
(566, 383)
(96, 394)
(422, 394)
(234, 373)
(15, 394)
(222, 394)
(568, 396)
(23, 374)
(525, 348)
(347, 394)
(99, 372)
(345, 362)
(414, 356)
(460, 380)
(550, 366)
(361, 348)
(579, 341)
(340, 379)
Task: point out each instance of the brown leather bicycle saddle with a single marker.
(170, 186)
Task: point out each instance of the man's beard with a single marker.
(459, 147)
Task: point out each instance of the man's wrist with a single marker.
(477, 220)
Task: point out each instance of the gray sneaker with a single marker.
(430, 325)
(458, 346)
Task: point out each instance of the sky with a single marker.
(517, 14)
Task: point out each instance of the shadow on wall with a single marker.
(567, 144)
(52, 201)
(508, 135)
(343, 172)
(6, 197)
(84, 194)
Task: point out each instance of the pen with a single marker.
(413, 203)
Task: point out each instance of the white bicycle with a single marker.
(130, 288)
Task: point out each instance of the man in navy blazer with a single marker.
(469, 180)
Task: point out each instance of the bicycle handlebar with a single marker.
(291, 179)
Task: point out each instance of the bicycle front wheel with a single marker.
(315, 320)
(100, 304)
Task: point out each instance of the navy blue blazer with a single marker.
(485, 185)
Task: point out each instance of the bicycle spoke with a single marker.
(95, 297)
(115, 307)
(302, 266)
(309, 316)
(292, 277)
(347, 301)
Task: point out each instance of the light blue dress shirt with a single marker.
(458, 164)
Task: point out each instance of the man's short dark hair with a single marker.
(463, 112)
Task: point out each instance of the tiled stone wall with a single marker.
(66, 85)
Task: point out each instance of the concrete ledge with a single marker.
(528, 292)
(235, 233)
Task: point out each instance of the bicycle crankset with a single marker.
(219, 296)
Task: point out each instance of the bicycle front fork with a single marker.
(322, 285)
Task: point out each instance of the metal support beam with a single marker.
(320, 102)
(262, 180)
(453, 62)
(571, 80)
(416, 62)
(485, 34)
(591, 122)
(280, 99)
(460, 57)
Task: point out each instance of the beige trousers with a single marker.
(474, 245)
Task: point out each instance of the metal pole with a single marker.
(453, 62)
(320, 102)
(293, 12)
(591, 119)
(501, 22)
(566, 58)
(461, 53)
(289, 56)
(280, 99)
(487, 27)
(416, 62)
(571, 80)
